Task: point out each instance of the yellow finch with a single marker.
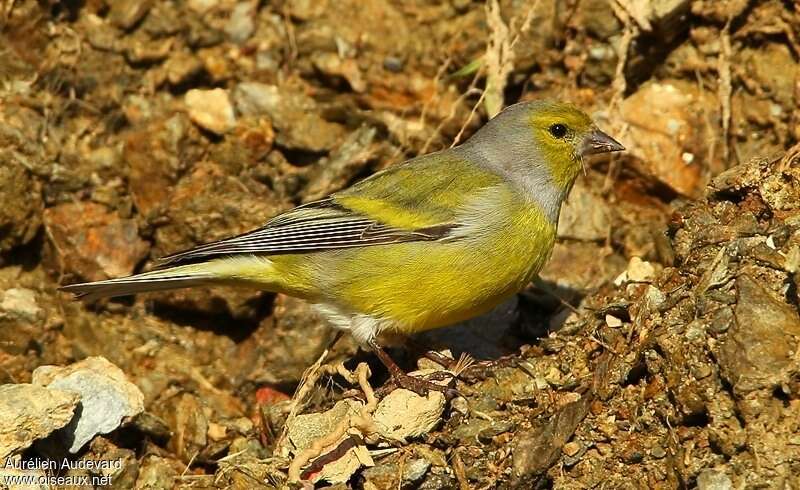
(439, 239)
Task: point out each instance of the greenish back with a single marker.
(426, 191)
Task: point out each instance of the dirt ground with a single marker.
(658, 348)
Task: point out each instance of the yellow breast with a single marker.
(424, 285)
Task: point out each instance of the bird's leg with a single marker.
(403, 380)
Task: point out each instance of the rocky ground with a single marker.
(659, 348)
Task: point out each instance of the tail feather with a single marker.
(159, 280)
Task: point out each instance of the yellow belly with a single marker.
(424, 285)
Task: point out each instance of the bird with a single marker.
(438, 239)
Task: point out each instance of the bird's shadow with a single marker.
(522, 320)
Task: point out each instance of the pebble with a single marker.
(210, 109)
(241, 25)
(393, 64)
(710, 479)
(29, 412)
(107, 398)
(571, 448)
(20, 303)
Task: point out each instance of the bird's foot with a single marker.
(421, 386)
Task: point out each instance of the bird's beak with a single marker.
(599, 142)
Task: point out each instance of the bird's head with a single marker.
(563, 135)
(540, 146)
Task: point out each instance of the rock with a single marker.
(155, 152)
(345, 162)
(480, 430)
(29, 412)
(92, 242)
(386, 475)
(202, 6)
(720, 12)
(181, 67)
(210, 109)
(127, 13)
(20, 218)
(107, 398)
(571, 448)
(20, 303)
(669, 134)
(187, 419)
(585, 215)
(308, 428)
(158, 472)
(403, 414)
(638, 270)
(536, 449)
(334, 66)
(762, 341)
(710, 479)
(294, 115)
(773, 70)
(598, 19)
(241, 22)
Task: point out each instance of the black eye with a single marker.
(558, 130)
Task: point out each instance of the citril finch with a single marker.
(439, 239)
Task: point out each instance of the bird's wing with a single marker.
(416, 201)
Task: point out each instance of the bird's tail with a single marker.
(182, 276)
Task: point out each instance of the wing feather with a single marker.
(317, 226)
(374, 211)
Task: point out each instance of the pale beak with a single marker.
(599, 142)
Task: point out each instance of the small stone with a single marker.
(386, 475)
(20, 303)
(331, 64)
(92, 242)
(761, 342)
(187, 419)
(29, 412)
(710, 479)
(637, 271)
(181, 67)
(127, 13)
(613, 322)
(216, 432)
(20, 218)
(403, 414)
(107, 398)
(571, 448)
(415, 470)
(701, 371)
(158, 472)
(604, 448)
(393, 64)
(241, 22)
(308, 428)
(202, 6)
(294, 115)
(494, 429)
(210, 109)
(658, 452)
(155, 427)
(666, 120)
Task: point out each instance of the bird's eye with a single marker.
(558, 130)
